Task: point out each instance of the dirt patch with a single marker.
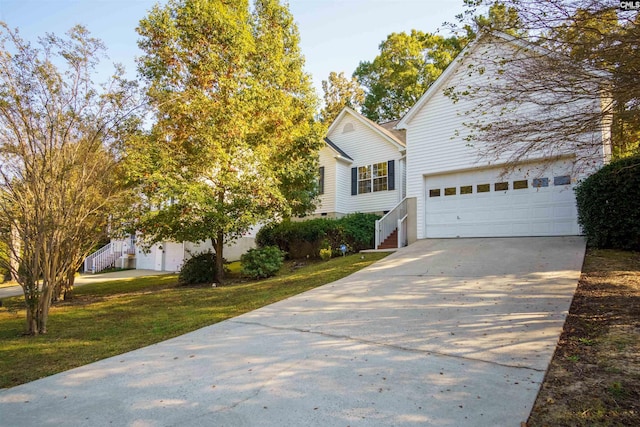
(594, 377)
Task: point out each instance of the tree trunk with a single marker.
(68, 288)
(218, 244)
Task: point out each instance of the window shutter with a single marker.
(391, 171)
(354, 181)
(321, 181)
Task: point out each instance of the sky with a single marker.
(335, 34)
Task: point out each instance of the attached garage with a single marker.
(535, 200)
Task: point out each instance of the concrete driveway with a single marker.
(442, 333)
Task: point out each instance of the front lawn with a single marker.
(111, 318)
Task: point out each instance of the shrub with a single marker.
(299, 239)
(262, 262)
(200, 268)
(305, 238)
(325, 254)
(609, 205)
(359, 230)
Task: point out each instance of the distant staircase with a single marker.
(106, 256)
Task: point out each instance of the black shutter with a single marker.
(391, 171)
(321, 181)
(354, 181)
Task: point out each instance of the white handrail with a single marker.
(108, 254)
(389, 223)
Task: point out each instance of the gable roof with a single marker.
(337, 149)
(435, 86)
(386, 134)
(456, 63)
(400, 134)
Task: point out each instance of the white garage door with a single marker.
(532, 201)
(173, 256)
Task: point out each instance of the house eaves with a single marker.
(386, 134)
(451, 69)
(341, 155)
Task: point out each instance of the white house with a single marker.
(362, 166)
(458, 192)
(362, 169)
(425, 176)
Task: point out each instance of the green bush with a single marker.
(200, 268)
(305, 238)
(359, 230)
(262, 262)
(609, 205)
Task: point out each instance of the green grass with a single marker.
(110, 318)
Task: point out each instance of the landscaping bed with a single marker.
(594, 377)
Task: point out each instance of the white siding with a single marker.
(343, 188)
(435, 135)
(365, 147)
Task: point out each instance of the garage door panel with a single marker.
(530, 211)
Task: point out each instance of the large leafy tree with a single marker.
(339, 92)
(408, 63)
(60, 174)
(234, 142)
(577, 50)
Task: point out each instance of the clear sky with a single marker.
(335, 34)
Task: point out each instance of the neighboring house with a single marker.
(163, 256)
(362, 167)
(457, 193)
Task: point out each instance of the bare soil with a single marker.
(594, 377)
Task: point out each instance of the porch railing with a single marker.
(107, 255)
(395, 219)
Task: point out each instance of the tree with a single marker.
(59, 171)
(569, 53)
(234, 142)
(405, 68)
(340, 92)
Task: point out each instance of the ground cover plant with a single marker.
(111, 318)
(594, 377)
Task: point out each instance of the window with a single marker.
(562, 180)
(371, 178)
(450, 191)
(434, 192)
(540, 182)
(466, 189)
(364, 179)
(321, 180)
(380, 177)
(520, 185)
(501, 186)
(483, 188)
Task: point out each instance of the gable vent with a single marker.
(348, 128)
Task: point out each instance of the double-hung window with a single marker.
(364, 179)
(372, 178)
(380, 176)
